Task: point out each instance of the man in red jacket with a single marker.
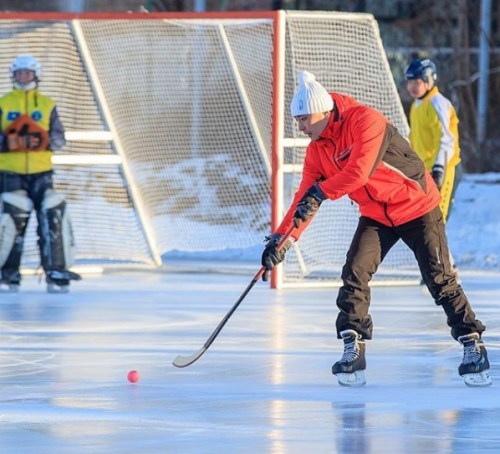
(356, 151)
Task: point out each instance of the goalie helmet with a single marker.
(29, 63)
(422, 69)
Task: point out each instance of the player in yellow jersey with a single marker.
(434, 130)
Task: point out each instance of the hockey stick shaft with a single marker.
(184, 361)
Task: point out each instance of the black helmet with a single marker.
(422, 69)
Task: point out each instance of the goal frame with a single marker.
(279, 142)
(278, 21)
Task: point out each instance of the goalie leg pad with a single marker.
(15, 209)
(55, 233)
(7, 237)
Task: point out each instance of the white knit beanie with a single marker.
(310, 97)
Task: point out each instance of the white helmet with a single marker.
(26, 62)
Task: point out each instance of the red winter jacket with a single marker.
(362, 155)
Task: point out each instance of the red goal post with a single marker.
(179, 135)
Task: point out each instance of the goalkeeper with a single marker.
(356, 151)
(30, 130)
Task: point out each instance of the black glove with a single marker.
(308, 205)
(271, 255)
(438, 175)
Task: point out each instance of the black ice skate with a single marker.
(350, 369)
(475, 365)
(58, 281)
(10, 280)
(9, 287)
(60, 287)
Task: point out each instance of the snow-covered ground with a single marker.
(474, 225)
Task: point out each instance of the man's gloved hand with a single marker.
(438, 175)
(271, 255)
(309, 204)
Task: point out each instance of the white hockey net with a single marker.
(188, 104)
(345, 53)
(105, 224)
(185, 123)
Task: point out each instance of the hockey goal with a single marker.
(179, 133)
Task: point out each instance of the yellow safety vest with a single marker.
(39, 108)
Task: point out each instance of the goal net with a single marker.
(345, 53)
(171, 123)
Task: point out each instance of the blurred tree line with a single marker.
(447, 31)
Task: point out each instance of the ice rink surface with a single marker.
(265, 385)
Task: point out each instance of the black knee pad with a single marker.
(56, 234)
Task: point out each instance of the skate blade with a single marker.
(9, 289)
(480, 380)
(353, 380)
(53, 288)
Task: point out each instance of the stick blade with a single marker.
(184, 361)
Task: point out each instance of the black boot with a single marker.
(475, 364)
(353, 358)
(58, 281)
(10, 280)
(9, 287)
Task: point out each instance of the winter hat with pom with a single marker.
(310, 97)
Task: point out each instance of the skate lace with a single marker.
(351, 352)
(472, 353)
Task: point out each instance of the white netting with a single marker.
(104, 221)
(191, 104)
(183, 124)
(196, 140)
(345, 53)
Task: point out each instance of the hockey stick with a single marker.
(184, 361)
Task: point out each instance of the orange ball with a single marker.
(133, 376)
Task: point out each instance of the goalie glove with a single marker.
(23, 134)
(438, 175)
(273, 256)
(308, 205)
